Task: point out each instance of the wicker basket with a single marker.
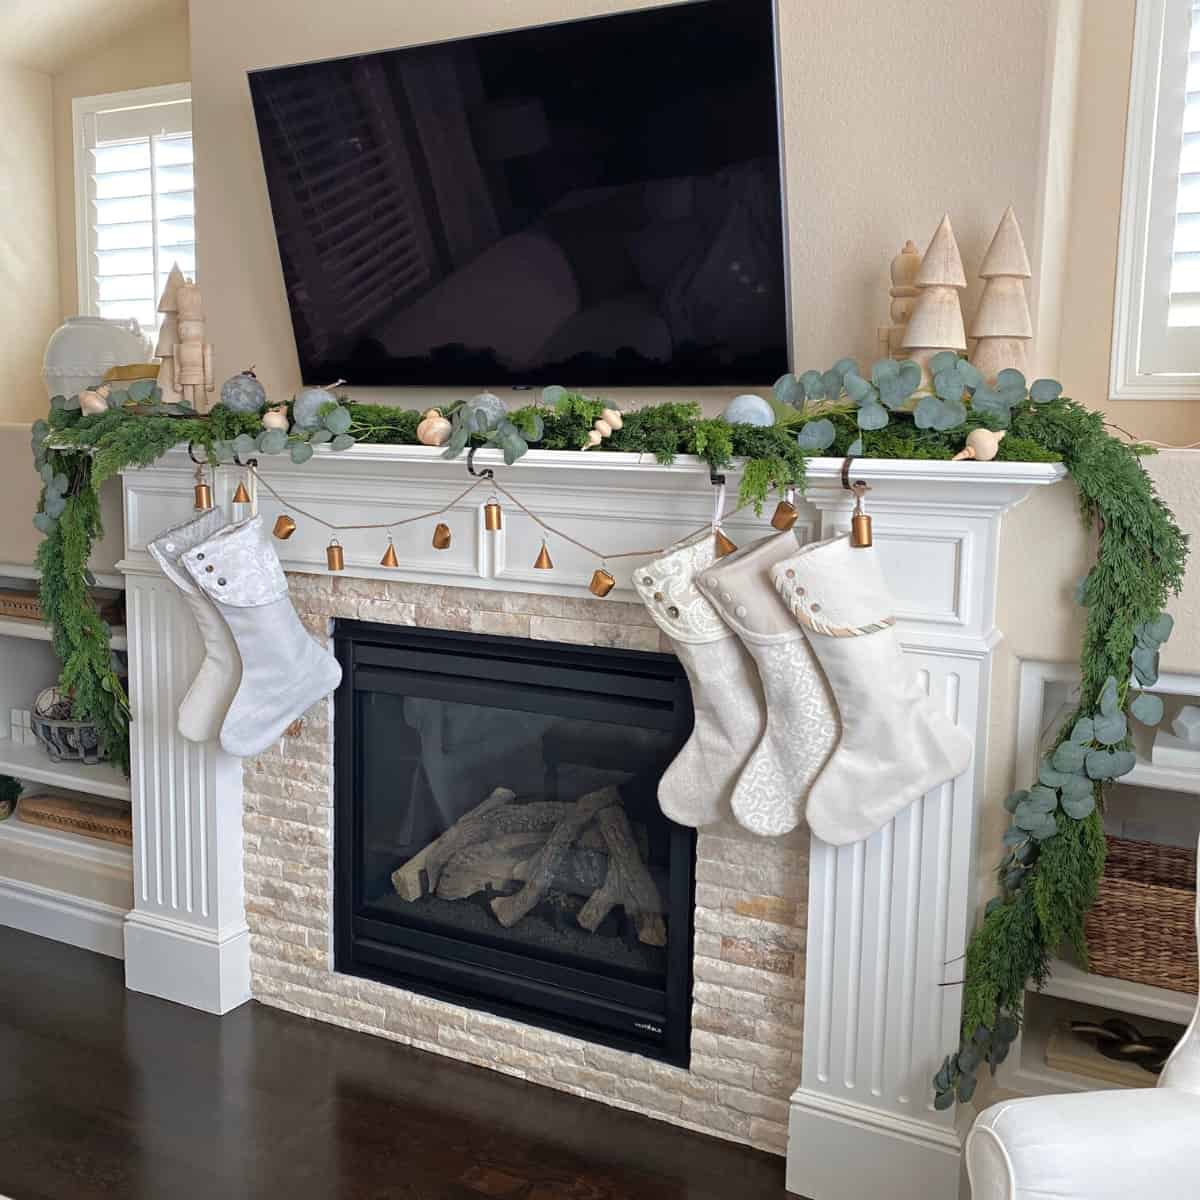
(24, 605)
(1143, 924)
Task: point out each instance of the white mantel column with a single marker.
(186, 938)
(888, 918)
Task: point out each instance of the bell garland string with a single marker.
(1054, 848)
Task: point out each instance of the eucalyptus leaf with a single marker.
(846, 366)
(1042, 391)
(948, 385)
(244, 445)
(44, 522)
(927, 412)
(1145, 666)
(343, 441)
(1013, 837)
(1077, 788)
(272, 441)
(1159, 630)
(553, 394)
(855, 449)
(1077, 808)
(60, 483)
(40, 429)
(1069, 757)
(943, 1100)
(1109, 702)
(1043, 799)
(301, 452)
(1147, 708)
(1010, 379)
(1083, 731)
(1014, 799)
(1047, 829)
(859, 390)
(72, 404)
(141, 390)
(812, 384)
(969, 1059)
(873, 416)
(788, 391)
(1110, 764)
(941, 1081)
(997, 1054)
(55, 506)
(817, 435)
(1081, 591)
(969, 374)
(1050, 776)
(320, 437)
(944, 360)
(1111, 729)
(993, 406)
(337, 420)
(47, 474)
(992, 905)
(884, 370)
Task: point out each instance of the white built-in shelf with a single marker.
(36, 631)
(1169, 779)
(38, 841)
(1068, 982)
(33, 765)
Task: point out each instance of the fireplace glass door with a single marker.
(499, 839)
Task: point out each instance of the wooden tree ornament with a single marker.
(168, 334)
(1002, 324)
(902, 295)
(936, 323)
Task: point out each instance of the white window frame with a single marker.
(1142, 344)
(83, 107)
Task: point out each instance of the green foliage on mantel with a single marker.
(1054, 849)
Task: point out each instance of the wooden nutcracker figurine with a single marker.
(902, 295)
(193, 355)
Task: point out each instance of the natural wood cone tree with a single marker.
(1002, 325)
(168, 334)
(936, 323)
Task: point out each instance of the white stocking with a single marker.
(730, 711)
(896, 743)
(802, 723)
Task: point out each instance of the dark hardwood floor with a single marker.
(104, 1093)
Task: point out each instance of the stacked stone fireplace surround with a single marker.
(750, 914)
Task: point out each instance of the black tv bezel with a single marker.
(356, 375)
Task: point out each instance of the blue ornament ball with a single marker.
(306, 409)
(749, 410)
(243, 393)
(490, 405)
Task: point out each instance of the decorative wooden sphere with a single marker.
(275, 418)
(434, 429)
(91, 403)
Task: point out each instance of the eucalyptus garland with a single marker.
(1054, 848)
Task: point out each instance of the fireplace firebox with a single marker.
(498, 839)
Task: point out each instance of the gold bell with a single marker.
(723, 544)
(389, 558)
(492, 516)
(544, 562)
(203, 493)
(335, 558)
(860, 521)
(284, 527)
(785, 516)
(241, 496)
(602, 583)
(441, 537)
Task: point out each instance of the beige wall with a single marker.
(1099, 163)
(28, 252)
(156, 54)
(878, 145)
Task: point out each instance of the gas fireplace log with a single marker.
(580, 873)
(488, 864)
(634, 885)
(511, 909)
(407, 879)
(603, 900)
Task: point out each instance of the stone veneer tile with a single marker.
(750, 903)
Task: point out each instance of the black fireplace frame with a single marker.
(650, 1021)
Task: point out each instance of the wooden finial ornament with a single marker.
(1002, 323)
(936, 323)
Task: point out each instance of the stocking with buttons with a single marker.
(730, 710)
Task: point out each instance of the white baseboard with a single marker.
(187, 964)
(89, 924)
(840, 1151)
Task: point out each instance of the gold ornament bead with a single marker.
(241, 496)
(335, 557)
(785, 516)
(389, 558)
(284, 527)
(602, 583)
(441, 537)
(724, 545)
(493, 520)
(544, 562)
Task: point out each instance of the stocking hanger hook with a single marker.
(486, 473)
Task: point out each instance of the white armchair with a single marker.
(1117, 1145)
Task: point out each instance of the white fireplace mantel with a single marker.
(887, 919)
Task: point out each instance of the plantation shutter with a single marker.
(1171, 300)
(137, 205)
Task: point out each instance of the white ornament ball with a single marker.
(243, 393)
(275, 418)
(749, 410)
(434, 429)
(306, 409)
(92, 403)
(613, 417)
(985, 443)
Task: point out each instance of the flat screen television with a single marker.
(591, 203)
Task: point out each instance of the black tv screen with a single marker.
(591, 203)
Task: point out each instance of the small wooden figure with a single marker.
(193, 375)
(903, 295)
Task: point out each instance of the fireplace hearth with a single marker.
(498, 840)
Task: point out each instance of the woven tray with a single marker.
(88, 818)
(1143, 924)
